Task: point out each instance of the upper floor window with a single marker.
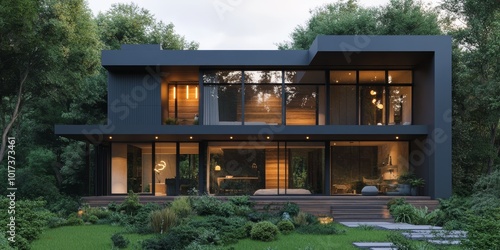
(370, 97)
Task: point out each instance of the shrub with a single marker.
(73, 220)
(163, 220)
(230, 228)
(185, 234)
(396, 202)
(403, 243)
(209, 205)
(482, 230)
(264, 231)
(242, 201)
(403, 213)
(4, 243)
(182, 207)
(208, 237)
(131, 204)
(291, 208)
(64, 206)
(452, 212)
(323, 229)
(303, 219)
(99, 212)
(119, 241)
(285, 226)
(247, 228)
(56, 222)
(92, 219)
(422, 216)
(31, 219)
(140, 223)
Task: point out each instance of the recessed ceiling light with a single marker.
(111, 137)
(307, 137)
(230, 137)
(268, 137)
(156, 137)
(397, 137)
(190, 137)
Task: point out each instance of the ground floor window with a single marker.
(163, 168)
(257, 168)
(356, 164)
(266, 168)
(131, 167)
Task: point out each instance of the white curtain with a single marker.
(211, 105)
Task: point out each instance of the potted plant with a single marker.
(404, 183)
(416, 183)
(171, 121)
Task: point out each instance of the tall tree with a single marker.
(476, 86)
(44, 46)
(130, 24)
(399, 17)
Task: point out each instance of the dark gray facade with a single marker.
(136, 74)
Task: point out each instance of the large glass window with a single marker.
(372, 105)
(400, 105)
(188, 167)
(263, 104)
(165, 171)
(368, 97)
(222, 98)
(357, 164)
(131, 168)
(268, 168)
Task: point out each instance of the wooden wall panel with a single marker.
(272, 167)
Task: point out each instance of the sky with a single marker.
(232, 24)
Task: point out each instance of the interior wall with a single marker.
(119, 168)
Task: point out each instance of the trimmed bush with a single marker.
(285, 226)
(92, 219)
(162, 220)
(264, 231)
(182, 207)
(119, 241)
(209, 205)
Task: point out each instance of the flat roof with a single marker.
(324, 51)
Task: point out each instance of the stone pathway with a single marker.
(432, 234)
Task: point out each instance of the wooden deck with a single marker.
(341, 207)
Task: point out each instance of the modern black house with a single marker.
(349, 112)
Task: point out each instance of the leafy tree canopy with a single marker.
(130, 24)
(399, 17)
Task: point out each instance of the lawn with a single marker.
(83, 237)
(307, 241)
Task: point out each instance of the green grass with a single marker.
(83, 237)
(316, 242)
